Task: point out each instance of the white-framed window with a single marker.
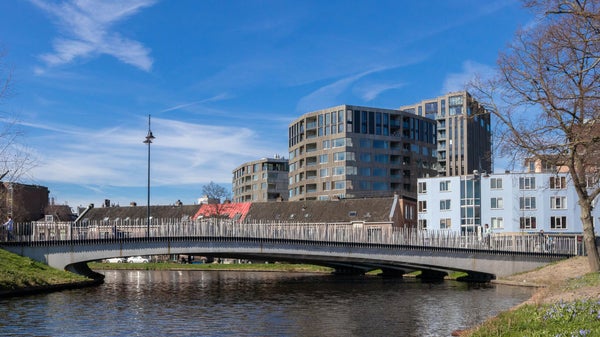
(422, 206)
(422, 187)
(558, 202)
(496, 183)
(497, 203)
(527, 183)
(527, 203)
(527, 222)
(497, 222)
(445, 223)
(558, 222)
(445, 185)
(444, 205)
(557, 183)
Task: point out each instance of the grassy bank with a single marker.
(284, 267)
(19, 273)
(560, 308)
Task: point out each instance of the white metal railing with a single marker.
(40, 233)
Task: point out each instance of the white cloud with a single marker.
(182, 154)
(370, 91)
(327, 96)
(86, 26)
(459, 81)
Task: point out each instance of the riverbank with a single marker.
(22, 276)
(566, 303)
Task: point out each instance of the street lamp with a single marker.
(149, 138)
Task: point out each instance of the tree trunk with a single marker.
(589, 237)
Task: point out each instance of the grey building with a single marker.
(464, 138)
(354, 152)
(265, 179)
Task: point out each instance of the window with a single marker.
(444, 205)
(324, 172)
(339, 142)
(445, 185)
(339, 156)
(527, 203)
(527, 183)
(423, 223)
(379, 172)
(558, 202)
(422, 206)
(445, 223)
(497, 203)
(422, 187)
(496, 183)
(365, 157)
(323, 158)
(364, 171)
(339, 185)
(338, 171)
(527, 222)
(497, 222)
(558, 183)
(558, 222)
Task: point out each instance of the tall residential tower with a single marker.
(464, 138)
(353, 152)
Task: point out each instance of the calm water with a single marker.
(218, 303)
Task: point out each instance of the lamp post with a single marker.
(149, 138)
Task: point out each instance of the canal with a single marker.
(229, 303)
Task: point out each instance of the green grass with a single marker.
(579, 318)
(17, 272)
(212, 266)
(588, 280)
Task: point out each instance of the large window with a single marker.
(497, 222)
(422, 187)
(558, 222)
(527, 183)
(340, 185)
(496, 183)
(558, 183)
(323, 158)
(497, 203)
(527, 222)
(445, 185)
(444, 205)
(445, 223)
(422, 206)
(558, 202)
(527, 203)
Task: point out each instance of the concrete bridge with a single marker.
(346, 248)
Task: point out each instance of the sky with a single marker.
(221, 80)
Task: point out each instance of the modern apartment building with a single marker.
(353, 152)
(265, 179)
(464, 138)
(509, 202)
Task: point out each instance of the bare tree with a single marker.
(216, 194)
(546, 98)
(15, 160)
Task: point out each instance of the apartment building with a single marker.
(464, 138)
(354, 152)
(509, 202)
(265, 179)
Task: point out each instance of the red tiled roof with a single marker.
(234, 210)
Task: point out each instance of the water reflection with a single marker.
(211, 303)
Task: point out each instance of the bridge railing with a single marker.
(41, 233)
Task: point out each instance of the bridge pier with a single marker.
(82, 268)
(392, 273)
(430, 275)
(477, 277)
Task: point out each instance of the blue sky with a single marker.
(221, 79)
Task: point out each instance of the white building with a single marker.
(508, 202)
